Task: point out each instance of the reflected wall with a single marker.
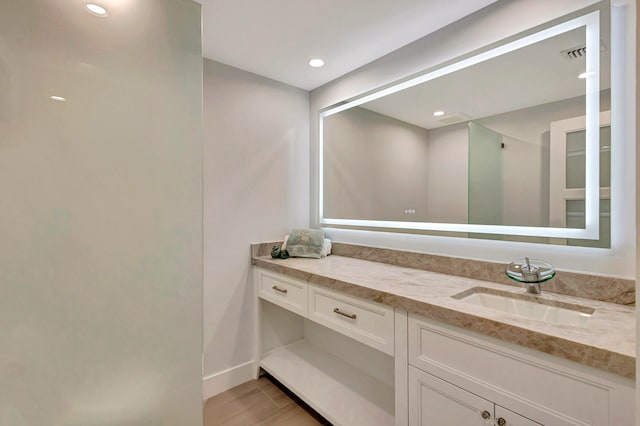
(100, 213)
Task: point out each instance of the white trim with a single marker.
(401, 363)
(592, 130)
(257, 324)
(227, 379)
(537, 231)
(558, 191)
(321, 167)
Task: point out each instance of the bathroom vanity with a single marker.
(400, 338)
(367, 343)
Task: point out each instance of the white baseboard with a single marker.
(226, 379)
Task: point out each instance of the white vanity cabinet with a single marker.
(357, 362)
(332, 350)
(468, 374)
(433, 401)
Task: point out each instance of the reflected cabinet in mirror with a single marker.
(506, 144)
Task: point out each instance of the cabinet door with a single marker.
(506, 417)
(434, 402)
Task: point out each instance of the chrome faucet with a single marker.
(531, 277)
(530, 273)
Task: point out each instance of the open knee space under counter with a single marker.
(335, 361)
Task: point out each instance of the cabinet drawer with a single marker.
(286, 292)
(367, 322)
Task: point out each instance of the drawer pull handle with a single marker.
(281, 290)
(339, 312)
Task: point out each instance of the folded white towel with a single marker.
(326, 246)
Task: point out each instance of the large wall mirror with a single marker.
(512, 143)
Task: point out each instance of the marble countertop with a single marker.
(607, 341)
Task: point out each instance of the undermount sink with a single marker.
(527, 306)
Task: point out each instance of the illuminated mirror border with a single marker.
(591, 22)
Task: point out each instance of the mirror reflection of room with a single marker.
(475, 146)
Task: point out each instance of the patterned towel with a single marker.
(326, 246)
(305, 243)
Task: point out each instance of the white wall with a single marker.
(527, 156)
(256, 187)
(448, 173)
(526, 163)
(100, 214)
(498, 21)
(375, 167)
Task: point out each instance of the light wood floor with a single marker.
(259, 402)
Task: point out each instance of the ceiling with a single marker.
(277, 38)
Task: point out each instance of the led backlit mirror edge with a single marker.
(591, 231)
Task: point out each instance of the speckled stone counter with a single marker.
(606, 341)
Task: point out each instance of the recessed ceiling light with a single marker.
(96, 10)
(438, 113)
(57, 98)
(585, 74)
(316, 63)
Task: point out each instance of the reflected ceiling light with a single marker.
(316, 63)
(438, 113)
(96, 10)
(585, 74)
(57, 98)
